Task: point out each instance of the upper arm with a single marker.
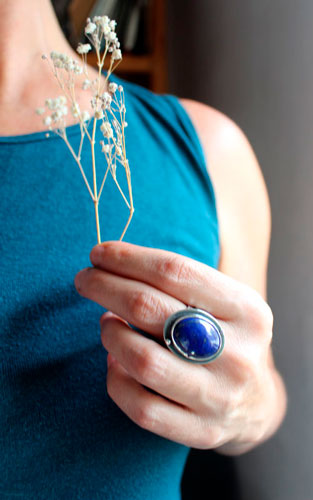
(241, 196)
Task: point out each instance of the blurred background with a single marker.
(252, 60)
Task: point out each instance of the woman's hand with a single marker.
(231, 404)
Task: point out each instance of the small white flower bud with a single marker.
(105, 147)
(40, 111)
(106, 30)
(47, 121)
(112, 36)
(116, 54)
(107, 99)
(90, 28)
(86, 84)
(78, 70)
(112, 87)
(83, 48)
(85, 116)
(75, 110)
(106, 129)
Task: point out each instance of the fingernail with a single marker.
(96, 255)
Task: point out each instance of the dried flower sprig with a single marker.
(107, 105)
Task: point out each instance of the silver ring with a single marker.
(194, 335)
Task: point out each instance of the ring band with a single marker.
(194, 335)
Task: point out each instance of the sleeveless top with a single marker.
(61, 436)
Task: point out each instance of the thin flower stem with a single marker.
(94, 175)
(82, 123)
(97, 30)
(82, 136)
(64, 136)
(127, 223)
(104, 179)
(104, 55)
(96, 202)
(120, 190)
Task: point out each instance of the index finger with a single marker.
(189, 281)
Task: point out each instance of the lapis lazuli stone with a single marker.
(197, 337)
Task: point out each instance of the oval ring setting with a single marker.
(194, 335)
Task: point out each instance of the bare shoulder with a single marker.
(241, 195)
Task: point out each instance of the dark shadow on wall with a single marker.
(209, 475)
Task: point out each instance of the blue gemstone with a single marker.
(197, 337)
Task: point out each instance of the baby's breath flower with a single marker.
(56, 115)
(106, 129)
(86, 84)
(85, 116)
(116, 55)
(47, 121)
(90, 28)
(106, 99)
(83, 48)
(112, 87)
(105, 106)
(99, 114)
(78, 69)
(106, 148)
(106, 30)
(112, 36)
(75, 110)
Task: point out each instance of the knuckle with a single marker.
(211, 438)
(143, 306)
(257, 312)
(204, 396)
(173, 269)
(229, 405)
(144, 416)
(148, 366)
(244, 371)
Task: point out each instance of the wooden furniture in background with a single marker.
(151, 67)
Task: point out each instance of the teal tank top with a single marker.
(61, 436)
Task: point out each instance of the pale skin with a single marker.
(239, 400)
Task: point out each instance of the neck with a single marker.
(29, 28)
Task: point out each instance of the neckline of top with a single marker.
(44, 135)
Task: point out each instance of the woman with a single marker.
(63, 435)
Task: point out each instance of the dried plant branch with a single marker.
(108, 106)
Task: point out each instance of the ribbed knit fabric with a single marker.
(61, 436)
